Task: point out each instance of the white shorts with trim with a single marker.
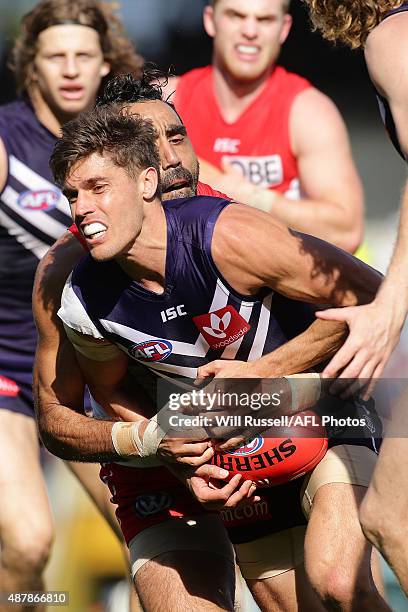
(280, 552)
(203, 533)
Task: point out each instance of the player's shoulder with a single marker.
(386, 51)
(56, 265)
(391, 33)
(241, 231)
(18, 111)
(312, 107)
(288, 81)
(192, 219)
(206, 190)
(236, 214)
(193, 209)
(240, 223)
(19, 123)
(194, 76)
(188, 83)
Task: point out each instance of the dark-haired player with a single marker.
(193, 257)
(64, 50)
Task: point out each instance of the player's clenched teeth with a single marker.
(92, 230)
(247, 49)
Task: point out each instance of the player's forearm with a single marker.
(314, 346)
(324, 219)
(394, 289)
(75, 437)
(209, 173)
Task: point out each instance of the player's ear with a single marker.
(286, 26)
(31, 74)
(105, 69)
(150, 183)
(208, 20)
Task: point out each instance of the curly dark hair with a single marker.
(129, 140)
(127, 89)
(348, 21)
(117, 49)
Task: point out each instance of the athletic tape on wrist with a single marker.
(153, 435)
(123, 438)
(306, 389)
(127, 441)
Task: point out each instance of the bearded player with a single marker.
(72, 436)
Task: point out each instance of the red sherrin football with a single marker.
(279, 454)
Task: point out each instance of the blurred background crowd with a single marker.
(170, 33)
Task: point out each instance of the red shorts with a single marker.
(146, 497)
(149, 496)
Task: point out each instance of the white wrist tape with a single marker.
(306, 389)
(127, 441)
(123, 438)
(153, 435)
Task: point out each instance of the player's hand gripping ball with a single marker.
(280, 454)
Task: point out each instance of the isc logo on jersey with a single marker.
(151, 350)
(222, 327)
(44, 199)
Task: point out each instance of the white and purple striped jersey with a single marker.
(198, 318)
(33, 214)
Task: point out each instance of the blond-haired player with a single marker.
(380, 27)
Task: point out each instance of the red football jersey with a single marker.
(205, 190)
(258, 142)
(74, 230)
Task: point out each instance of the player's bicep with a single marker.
(321, 145)
(57, 377)
(315, 271)
(253, 251)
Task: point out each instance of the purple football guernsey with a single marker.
(198, 318)
(33, 214)
(385, 109)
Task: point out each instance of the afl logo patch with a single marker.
(151, 350)
(253, 446)
(44, 199)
